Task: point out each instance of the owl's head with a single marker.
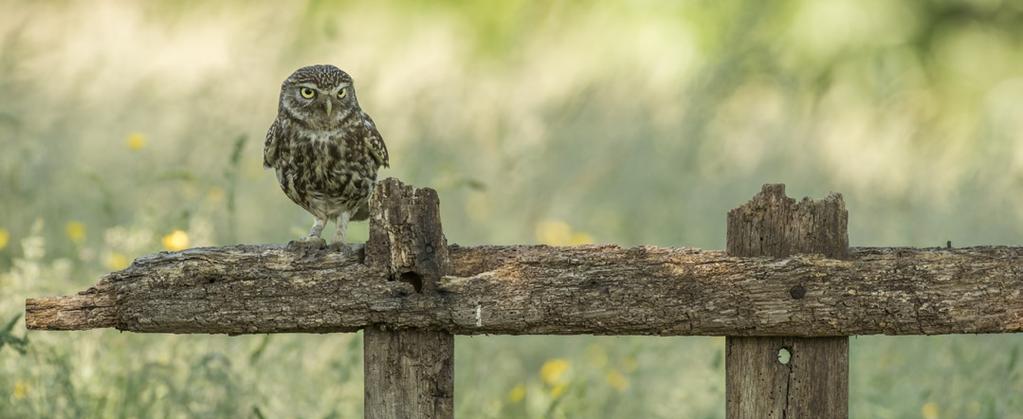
(321, 96)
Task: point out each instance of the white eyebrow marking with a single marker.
(342, 86)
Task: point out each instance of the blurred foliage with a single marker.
(128, 128)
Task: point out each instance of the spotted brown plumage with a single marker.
(324, 149)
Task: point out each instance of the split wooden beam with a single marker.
(594, 289)
(782, 377)
(409, 374)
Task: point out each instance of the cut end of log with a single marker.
(772, 224)
(773, 190)
(76, 312)
(405, 234)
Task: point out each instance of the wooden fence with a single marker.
(787, 281)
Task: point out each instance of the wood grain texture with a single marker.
(814, 381)
(409, 373)
(405, 235)
(596, 289)
(772, 224)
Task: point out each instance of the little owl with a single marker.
(325, 149)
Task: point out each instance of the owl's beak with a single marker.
(328, 106)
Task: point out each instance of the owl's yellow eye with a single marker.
(342, 93)
(307, 93)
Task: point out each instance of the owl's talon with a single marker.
(352, 249)
(307, 243)
(341, 247)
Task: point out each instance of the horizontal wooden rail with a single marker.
(601, 289)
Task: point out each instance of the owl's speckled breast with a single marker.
(326, 174)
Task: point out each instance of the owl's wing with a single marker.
(374, 141)
(270, 146)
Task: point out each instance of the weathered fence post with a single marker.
(408, 373)
(814, 380)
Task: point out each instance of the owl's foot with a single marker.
(343, 247)
(307, 243)
(340, 247)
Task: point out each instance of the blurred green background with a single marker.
(129, 128)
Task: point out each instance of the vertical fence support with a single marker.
(409, 374)
(814, 382)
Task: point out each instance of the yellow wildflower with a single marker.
(929, 410)
(176, 240)
(580, 238)
(559, 233)
(116, 261)
(517, 393)
(617, 380)
(20, 390)
(75, 231)
(4, 237)
(558, 390)
(553, 370)
(215, 194)
(554, 233)
(136, 141)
